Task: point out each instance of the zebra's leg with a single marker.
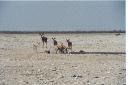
(60, 51)
(66, 50)
(43, 45)
(71, 49)
(57, 50)
(35, 48)
(63, 50)
(46, 44)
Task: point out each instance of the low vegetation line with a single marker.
(97, 52)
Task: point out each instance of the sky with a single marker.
(62, 15)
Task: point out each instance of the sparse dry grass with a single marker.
(19, 65)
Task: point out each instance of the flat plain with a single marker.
(20, 65)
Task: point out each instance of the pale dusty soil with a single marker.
(19, 65)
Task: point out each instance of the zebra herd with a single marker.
(60, 47)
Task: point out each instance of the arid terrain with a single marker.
(20, 65)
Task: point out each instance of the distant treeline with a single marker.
(62, 32)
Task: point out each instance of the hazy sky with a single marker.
(62, 15)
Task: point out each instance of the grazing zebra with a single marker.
(44, 39)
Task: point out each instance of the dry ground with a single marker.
(19, 65)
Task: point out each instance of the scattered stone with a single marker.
(77, 76)
(87, 81)
(120, 73)
(74, 76)
(80, 76)
(41, 79)
(74, 66)
(124, 69)
(47, 51)
(51, 81)
(96, 77)
(54, 69)
(81, 51)
(62, 76)
(100, 40)
(26, 82)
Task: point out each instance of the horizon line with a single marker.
(35, 32)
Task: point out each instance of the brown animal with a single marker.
(61, 48)
(47, 51)
(69, 44)
(44, 39)
(54, 41)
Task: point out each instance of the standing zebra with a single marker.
(54, 41)
(69, 44)
(44, 39)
